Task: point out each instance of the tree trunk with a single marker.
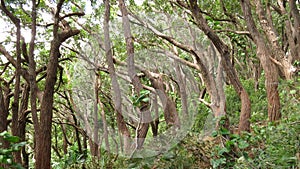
(169, 106)
(264, 55)
(105, 133)
(22, 124)
(43, 139)
(155, 122)
(144, 115)
(3, 110)
(94, 139)
(3, 117)
(15, 104)
(115, 85)
(244, 124)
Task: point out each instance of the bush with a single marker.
(6, 154)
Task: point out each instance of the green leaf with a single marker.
(12, 139)
(8, 137)
(17, 146)
(293, 92)
(214, 133)
(229, 143)
(217, 163)
(145, 99)
(5, 151)
(243, 144)
(8, 161)
(223, 150)
(4, 134)
(224, 131)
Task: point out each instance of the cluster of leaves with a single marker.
(269, 145)
(74, 157)
(6, 154)
(177, 157)
(265, 147)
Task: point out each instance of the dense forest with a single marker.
(149, 84)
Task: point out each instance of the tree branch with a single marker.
(72, 14)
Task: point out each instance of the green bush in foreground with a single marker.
(6, 156)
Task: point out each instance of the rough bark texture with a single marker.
(3, 117)
(32, 70)
(295, 45)
(169, 106)
(224, 51)
(43, 139)
(271, 71)
(276, 52)
(15, 104)
(3, 110)
(22, 123)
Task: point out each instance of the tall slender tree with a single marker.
(115, 85)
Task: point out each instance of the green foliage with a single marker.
(6, 154)
(274, 146)
(258, 99)
(74, 157)
(178, 157)
(266, 146)
(142, 98)
(232, 148)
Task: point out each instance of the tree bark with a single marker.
(22, 123)
(264, 54)
(295, 45)
(3, 110)
(276, 52)
(15, 104)
(144, 115)
(169, 106)
(105, 133)
(223, 49)
(115, 85)
(94, 139)
(43, 139)
(3, 116)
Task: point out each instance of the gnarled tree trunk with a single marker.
(244, 124)
(264, 54)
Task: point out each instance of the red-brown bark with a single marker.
(264, 54)
(228, 67)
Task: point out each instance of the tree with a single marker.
(44, 121)
(159, 65)
(225, 60)
(215, 87)
(43, 138)
(265, 56)
(115, 86)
